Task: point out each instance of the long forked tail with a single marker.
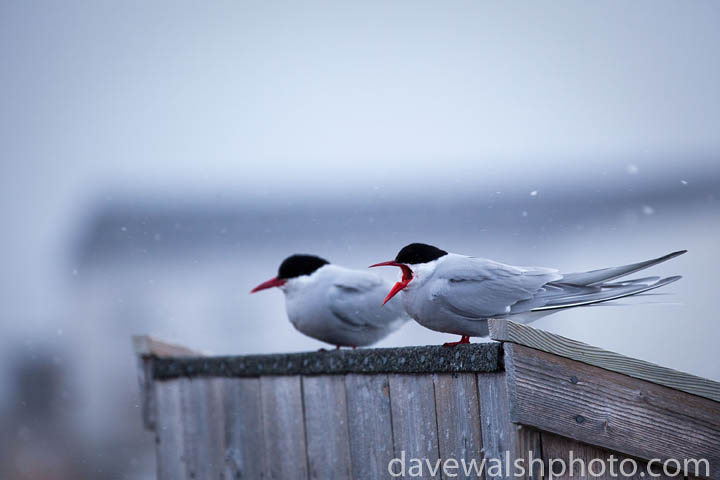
(566, 296)
(603, 275)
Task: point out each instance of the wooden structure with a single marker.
(347, 414)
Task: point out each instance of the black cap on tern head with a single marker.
(419, 253)
(297, 265)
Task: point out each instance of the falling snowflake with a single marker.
(534, 193)
(632, 169)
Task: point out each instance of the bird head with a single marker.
(292, 267)
(408, 257)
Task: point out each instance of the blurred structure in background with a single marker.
(157, 162)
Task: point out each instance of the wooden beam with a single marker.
(611, 410)
(507, 331)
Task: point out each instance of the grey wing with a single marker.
(479, 288)
(357, 302)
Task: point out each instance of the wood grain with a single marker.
(605, 464)
(283, 428)
(169, 431)
(203, 428)
(610, 410)
(507, 331)
(244, 436)
(412, 400)
(500, 436)
(369, 425)
(458, 419)
(326, 426)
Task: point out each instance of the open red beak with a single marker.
(273, 282)
(406, 278)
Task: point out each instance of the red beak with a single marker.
(273, 282)
(406, 279)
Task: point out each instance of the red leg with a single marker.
(464, 339)
(337, 347)
(354, 347)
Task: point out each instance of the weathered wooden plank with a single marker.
(501, 438)
(203, 428)
(588, 461)
(458, 420)
(244, 428)
(507, 331)
(412, 401)
(283, 428)
(610, 410)
(326, 427)
(369, 425)
(169, 431)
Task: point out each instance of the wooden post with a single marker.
(374, 413)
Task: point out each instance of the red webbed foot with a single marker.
(464, 339)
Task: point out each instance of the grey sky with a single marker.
(288, 99)
(228, 92)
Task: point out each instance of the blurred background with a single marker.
(159, 159)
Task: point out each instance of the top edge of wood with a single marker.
(503, 330)
(147, 346)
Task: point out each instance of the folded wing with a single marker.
(356, 301)
(480, 288)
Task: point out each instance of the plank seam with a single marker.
(437, 424)
(392, 423)
(347, 425)
(305, 430)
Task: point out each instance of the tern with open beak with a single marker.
(452, 293)
(333, 304)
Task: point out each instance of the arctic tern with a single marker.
(333, 304)
(452, 293)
